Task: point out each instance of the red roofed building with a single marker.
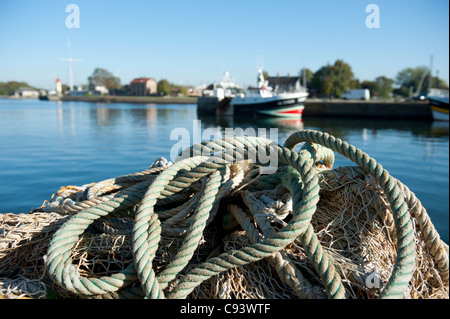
(143, 86)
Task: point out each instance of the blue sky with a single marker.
(194, 42)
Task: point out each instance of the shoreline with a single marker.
(115, 99)
(132, 99)
(382, 109)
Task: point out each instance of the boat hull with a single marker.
(439, 108)
(50, 98)
(291, 112)
(439, 114)
(291, 107)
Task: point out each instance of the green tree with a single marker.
(334, 79)
(9, 88)
(104, 77)
(183, 91)
(412, 77)
(342, 75)
(265, 76)
(3, 90)
(372, 86)
(163, 87)
(384, 86)
(381, 87)
(439, 83)
(65, 88)
(354, 84)
(322, 81)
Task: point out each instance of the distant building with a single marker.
(26, 92)
(101, 89)
(437, 92)
(123, 91)
(143, 86)
(284, 83)
(97, 89)
(194, 92)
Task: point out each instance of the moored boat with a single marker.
(216, 98)
(53, 95)
(439, 107)
(267, 100)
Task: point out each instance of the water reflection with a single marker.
(150, 115)
(146, 116)
(439, 129)
(343, 127)
(105, 116)
(340, 127)
(284, 125)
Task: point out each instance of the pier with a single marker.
(411, 110)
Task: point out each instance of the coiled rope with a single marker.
(216, 167)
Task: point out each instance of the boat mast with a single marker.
(69, 61)
(304, 77)
(430, 83)
(261, 81)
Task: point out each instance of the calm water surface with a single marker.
(45, 145)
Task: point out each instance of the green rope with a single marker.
(195, 232)
(404, 266)
(313, 249)
(297, 171)
(303, 208)
(59, 261)
(438, 249)
(146, 237)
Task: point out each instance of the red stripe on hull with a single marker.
(298, 111)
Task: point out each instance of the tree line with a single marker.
(103, 77)
(332, 80)
(8, 88)
(100, 76)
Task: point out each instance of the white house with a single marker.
(97, 90)
(101, 89)
(26, 92)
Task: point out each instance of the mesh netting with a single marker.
(353, 222)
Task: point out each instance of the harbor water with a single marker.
(47, 144)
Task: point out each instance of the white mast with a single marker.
(70, 60)
(430, 83)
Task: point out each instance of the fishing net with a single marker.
(353, 222)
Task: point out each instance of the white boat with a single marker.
(225, 88)
(281, 100)
(216, 99)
